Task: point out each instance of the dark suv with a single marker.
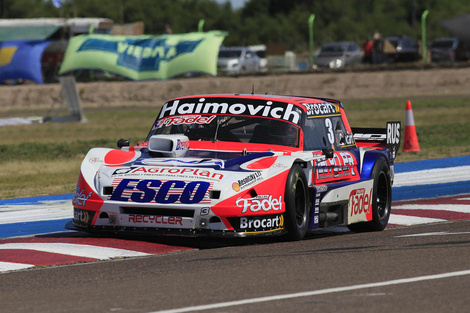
(403, 49)
(448, 50)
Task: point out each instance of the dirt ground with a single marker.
(342, 86)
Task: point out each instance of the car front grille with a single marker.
(157, 211)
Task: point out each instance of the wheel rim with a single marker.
(382, 197)
(300, 207)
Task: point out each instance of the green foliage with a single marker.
(261, 21)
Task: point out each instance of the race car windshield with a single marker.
(246, 129)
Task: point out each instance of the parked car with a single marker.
(448, 49)
(260, 51)
(401, 49)
(238, 60)
(338, 55)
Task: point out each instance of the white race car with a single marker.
(241, 165)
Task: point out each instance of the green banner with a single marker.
(145, 57)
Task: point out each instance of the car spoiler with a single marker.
(379, 138)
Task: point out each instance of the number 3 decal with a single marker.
(331, 134)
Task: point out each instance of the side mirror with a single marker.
(328, 152)
(122, 143)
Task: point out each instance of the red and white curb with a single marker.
(71, 247)
(424, 211)
(22, 253)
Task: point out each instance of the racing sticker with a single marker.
(184, 119)
(321, 109)
(393, 137)
(256, 107)
(83, 216)
(155, 219)
(360, 205)
(342, 166)
(259, 203)
(173, 172)
(248, 181)
(84, 197)
(158, 191)
(257, 223)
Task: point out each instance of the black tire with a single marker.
(297, 204)
(382, 200)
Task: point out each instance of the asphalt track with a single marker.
(419, 264)
(409, 269)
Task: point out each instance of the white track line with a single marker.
(7, 266)
(315, 292)
(86, 251)
(35, 215)
(432, 176)
(398, 219)
(441, 233)
(462, 208)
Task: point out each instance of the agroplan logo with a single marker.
(141, 54)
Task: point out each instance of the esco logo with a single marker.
(161, 192)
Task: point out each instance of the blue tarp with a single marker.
(22, 60)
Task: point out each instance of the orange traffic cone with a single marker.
(411, 140)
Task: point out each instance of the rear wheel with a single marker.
(296, 200)
(382, 200)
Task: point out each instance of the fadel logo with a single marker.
(182, 119)
(360, 201)
(171, 191)
(261, 202)
(80, 197)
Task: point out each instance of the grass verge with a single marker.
(44, 159)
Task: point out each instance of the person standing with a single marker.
(368, 46)
(378, 48)
(168, 30)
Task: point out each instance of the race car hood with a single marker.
(205, 180)
(164, 172)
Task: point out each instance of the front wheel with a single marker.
(296, 200)
(382, 200)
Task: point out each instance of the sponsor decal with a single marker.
(236, 187)
(93, 160)
(341, 165)
(184, 119)
(281, 165)
(157, 219)
(247, 181)
(83, 216)
(393, 137)
(182, 145)
(261, 223)
(166, 192)
(360, 201)
(318, 109)
(205, 211)
(264, 203)
(80, 197)
(168, 171)
(271, 109)
(184, 162)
